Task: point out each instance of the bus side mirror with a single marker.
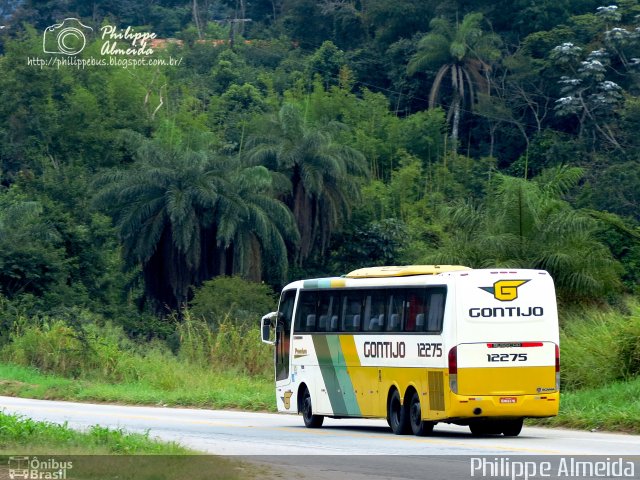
(265, 327)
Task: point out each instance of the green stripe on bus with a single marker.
(334, 373)
(344, 380)
(327, 369)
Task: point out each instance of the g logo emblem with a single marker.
(505, 290)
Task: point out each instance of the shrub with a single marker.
(50, 347)
(232, 345)
(104, 352)
(629, 345)
(232, 298)
(599, 347)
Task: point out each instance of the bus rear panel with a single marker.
(505, 360)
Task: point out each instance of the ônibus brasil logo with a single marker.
(505, 290)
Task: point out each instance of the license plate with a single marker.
(508, 400)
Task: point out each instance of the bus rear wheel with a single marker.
(310, 420)
(418, 426)
(398, 415)
(485, 427)
(512, 428)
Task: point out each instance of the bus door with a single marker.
(283, 337)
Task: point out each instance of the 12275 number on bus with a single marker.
(506, 357)
(428, 350)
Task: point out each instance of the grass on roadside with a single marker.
(225, 367)
(613, 407)
(19, 433)
(599, 346)
(103, 453)
(213, 390)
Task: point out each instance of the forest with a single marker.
(299, 138)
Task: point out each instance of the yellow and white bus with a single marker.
(419, 345)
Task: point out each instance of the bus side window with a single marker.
(351, 311)
(436, 298)
(328, 311)
(374, 311)
(306, 314)
(395, 310)
(416, 310)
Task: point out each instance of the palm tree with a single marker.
(185, 217)
(322, 175)
(252, 225)
(465, 52)
(526, 224)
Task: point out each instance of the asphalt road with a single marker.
(342, 448)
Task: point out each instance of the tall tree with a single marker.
(465, 52)
(526, 224)
(31, 249)
(322, 173)
(186, 216)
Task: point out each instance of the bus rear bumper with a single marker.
(504, 406)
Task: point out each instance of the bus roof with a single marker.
(403, 271)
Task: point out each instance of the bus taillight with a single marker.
(453, 369)
(557, 368)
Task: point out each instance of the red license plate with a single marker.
(508, 400)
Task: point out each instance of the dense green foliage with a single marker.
(318, 137)
(105, 352)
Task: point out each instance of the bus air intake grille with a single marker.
(436, 391)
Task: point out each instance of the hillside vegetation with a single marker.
(149, 214)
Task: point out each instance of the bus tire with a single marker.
(485, 427)
(512, 428)
(310, 420)
(418, 426)
(398, 415)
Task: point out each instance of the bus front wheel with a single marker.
(398, 415)
(310, 420)
(418, 426)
